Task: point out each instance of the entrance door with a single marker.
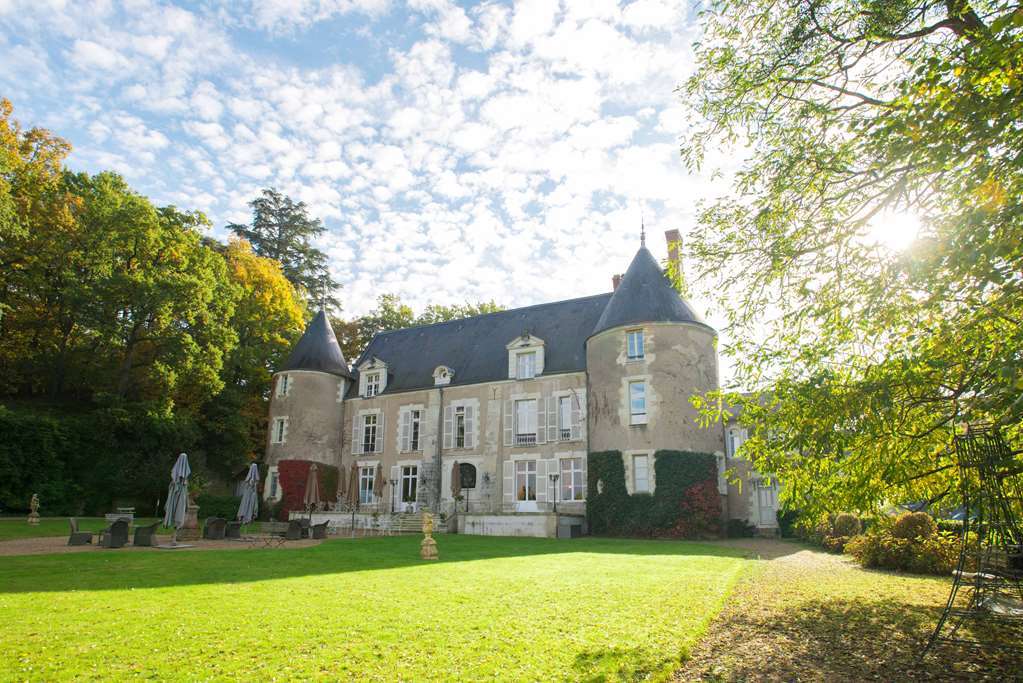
(767, 504)
(409, 488)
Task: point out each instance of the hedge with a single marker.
(218, 506)
(685, 502)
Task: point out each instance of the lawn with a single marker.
(500, 608)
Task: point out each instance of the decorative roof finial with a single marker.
(642, 229)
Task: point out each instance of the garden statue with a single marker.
(33, 515)
(428, 548)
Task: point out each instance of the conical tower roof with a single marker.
(645, 295)
(318, 350)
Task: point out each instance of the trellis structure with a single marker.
(988, 581)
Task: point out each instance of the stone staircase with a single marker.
(407, 523)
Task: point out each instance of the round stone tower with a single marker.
(306, 420)
(648, 353)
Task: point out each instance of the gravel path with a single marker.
(807, 615)
(57, 544)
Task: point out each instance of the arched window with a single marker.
(468, 475)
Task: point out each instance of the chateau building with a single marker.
(508, 402)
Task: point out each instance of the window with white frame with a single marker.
(409, 483)
(525, 363)
(525, 422)
(367, 478)
(634, 344)
(272, 484)
(283, 386)
(736, 437)
(573, 480)
(415, 426)
(279, 431)
(565, 418)
(525, 480)
(640, 474)
(637, 402)
(369, 433)
(372, 384)
(459, 426)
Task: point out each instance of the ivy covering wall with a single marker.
(685, 502)
(292, 476)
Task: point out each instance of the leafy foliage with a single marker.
(293, 475)
(685, 502)
(914, 525)
(225, 507)
(936, 553)
(862, 360)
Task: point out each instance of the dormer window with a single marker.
(525, 357)
(372, 378)
(525, 365)
(442, 375)
(372, 384)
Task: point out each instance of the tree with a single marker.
(283, 231)
(391, 314)
(862, 361)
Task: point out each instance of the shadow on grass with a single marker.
(856, 640)
(115, 570)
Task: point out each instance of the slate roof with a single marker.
(474, 348)
(318, 350)
(645, 295)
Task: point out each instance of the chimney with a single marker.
(616, 280)
(674, 241)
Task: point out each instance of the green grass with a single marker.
(15, 528)
(499, 608)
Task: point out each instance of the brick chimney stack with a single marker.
(674, 240)
(616, 280)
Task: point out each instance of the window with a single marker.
(280, 430)
(637, 402)
(369, 433)
(283, 385)
(467, 473)
(640, 474)
(736, 437)
(526, 365)
(409, 483)
(525, 422)
(273, 483)
(372, 384)
(564, 418)
(415, 417)
(460, 427)
(634, 343)
(367, 478)
(525, 480)
(573, 482)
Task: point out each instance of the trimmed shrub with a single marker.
(846, 524)
(218, 506)
(914, 525)
(934, 554)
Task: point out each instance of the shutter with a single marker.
(284, 431)
(396, 478)
(470, 427)
(356, 437)
(449, 416)
(509, 482)
(541, 481)
(577, 417)
(541, 420)
(552, 418)
(405, 436)
(508, 422)
(381, 432)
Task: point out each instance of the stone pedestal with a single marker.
(428, 549)
(33, 518)
(189, 531)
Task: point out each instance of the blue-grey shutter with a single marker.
(405, 436)
(470, 427)
(509, 422)
(381, 432)
(356, 436)
(541, 420)
(552, 418)
(449, 423)
(578, 414)
(509, 482)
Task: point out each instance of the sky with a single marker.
(499, 151)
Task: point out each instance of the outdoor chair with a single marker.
(214, 528)
(306, 525)
(320, 530)
(145, 535)
(78, 537)
(115, 535)
(233, 530)
(294, 532)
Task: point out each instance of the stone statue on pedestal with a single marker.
(428, 548)
(33, 506)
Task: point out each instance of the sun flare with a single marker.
(896, 231)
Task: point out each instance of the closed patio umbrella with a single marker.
(249, 507)
(312, 489)
(177, 496)
(378, 483)
(353, 486)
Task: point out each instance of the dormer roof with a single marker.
(318, 350)
(645, 295)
